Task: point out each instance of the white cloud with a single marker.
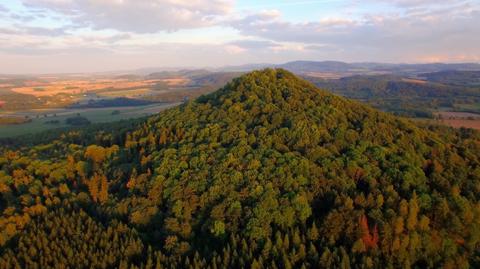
(250, 44)
(417, 3)
(450, 31)
(234, 49)
(3, 9)
(141, 16)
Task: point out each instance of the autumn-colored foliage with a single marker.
(369, 237)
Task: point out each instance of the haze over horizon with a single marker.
(58, 36)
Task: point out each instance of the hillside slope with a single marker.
(267, 172)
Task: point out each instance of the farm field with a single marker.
(94, 115)
(75, 87)
(459, 119)
(458, 123)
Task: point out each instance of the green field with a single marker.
(95, 115)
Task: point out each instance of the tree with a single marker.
(412, 212)
(93, 186)
(103, 194)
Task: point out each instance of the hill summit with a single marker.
(267, 172)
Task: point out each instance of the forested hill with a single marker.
(267, 172)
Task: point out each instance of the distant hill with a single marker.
(215, 80)
(408, 96)
(455, 77)
(115, 102)
(309, 66)
(179, 73)
(129, 77)
(242, 68)
(267, 172)
(433, 67)
(301, 67)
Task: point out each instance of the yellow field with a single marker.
(72, 87)
(176, 81)
(411, 80)
(129, 93)
(325, 75)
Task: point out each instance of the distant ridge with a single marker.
(298, 66)
(359, 68)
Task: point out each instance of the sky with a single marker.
(59, 36)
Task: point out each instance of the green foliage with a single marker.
(77, 121)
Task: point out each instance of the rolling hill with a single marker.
(407, 96)
(302, 67)
(267, 172)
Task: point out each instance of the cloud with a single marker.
(40, 50)
(254, 44)
(273, 28)
(41, 31)
(249, 46)
(447, 30)
(139, 16)
(3, 9)
(17, 31)
(417, 3)
(22, 18)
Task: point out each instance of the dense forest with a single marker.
(267, 172)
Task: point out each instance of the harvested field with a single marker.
(459, 119)
(411, 80)
(176, 81)
(73, 87)
(457, 123)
